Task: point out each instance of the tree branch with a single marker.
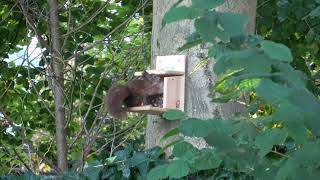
(58, 86)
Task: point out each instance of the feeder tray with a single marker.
(172, 69)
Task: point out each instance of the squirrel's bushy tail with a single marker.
(115, 99)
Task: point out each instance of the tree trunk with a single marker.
(57, 85)
(197, 103)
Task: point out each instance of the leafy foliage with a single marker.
(281, 135)
(101, 41)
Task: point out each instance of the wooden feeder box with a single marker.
(172, 69)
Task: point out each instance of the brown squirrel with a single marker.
(135, 93)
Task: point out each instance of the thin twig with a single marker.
(88, 20)
(21, 160)
(110, 33)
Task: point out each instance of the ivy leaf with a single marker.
(269, 138)
(207, 159)
(178, 168)
(180, 13)
(173, 115)
(159, 172)
(195, 127)
(207, 4)
(277, 51)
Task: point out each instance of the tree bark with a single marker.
(197, 103)
(58, 85)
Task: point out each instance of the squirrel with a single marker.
(135, 93)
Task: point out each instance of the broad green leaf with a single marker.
(308, 156)
(92, 172)
(122, 154)
(180, 13)
(221, 141)
(195, 127)
(190, 44)
(171, 133)
(170, 145)
(69, 176)
(173, 115)
(297, 131)
(249, 60)
(233, 23)
(315, 13)
(215, 51)
(182, 148)
(277, 51)
(272, 92)
(209, 30)
(220, 85)
(207, 4)
(207, 159)
(288, 112)
(159, 172)
(221, 126)
(138, 158)
(226, 98)
(178, 169)
(269, 138)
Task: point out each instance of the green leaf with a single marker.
(182, 148)
(221, 141)
(308, 155)
(315, 13)
(173, 115)
(272, 92)
(178, 169)
(233, 23)
(138, 158)
(170, 145)
(207, 4)
(248, 60)
(180, 13)
(195, 127)
(190, 44)
(93, 171)
(209, 29)
(303, 163)
(159, 172)
(215, 51)
(225, 127)
(277, 51)
(226, 98)
(207, 159)
(171, 133)
(297, 131)
(269, 138)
